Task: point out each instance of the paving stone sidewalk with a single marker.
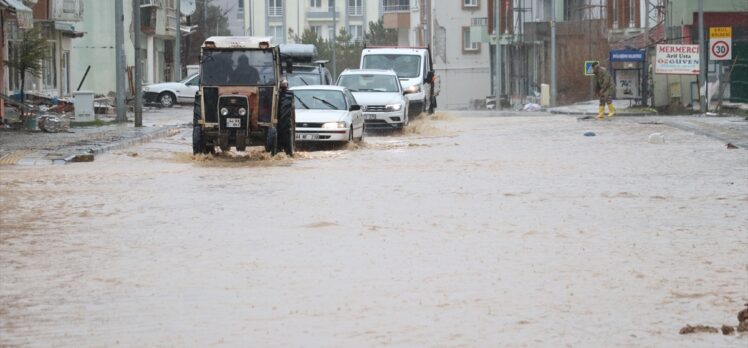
(25, 147)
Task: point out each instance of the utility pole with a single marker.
(178, 44)
(645, 82)
(553, 52)
(334, 38)
(703, 64)
(497, 55)
(138, 72)
(119, 54)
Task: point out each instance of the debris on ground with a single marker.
(83, 158)
(53, 123)
(743, 319)
(532, 107)
(727, 330)
(590, 134)
(688, 329)
(731, 146)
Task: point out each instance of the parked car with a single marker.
(306, 70)
(381, 96)
(169, 93)
(327, 114)
(309, 75)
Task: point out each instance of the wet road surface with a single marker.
(463, 231)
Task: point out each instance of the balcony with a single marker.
(275, 11)
(171, 21)
(394, 7)
(357, 10)
(321, 13)
(67, 10)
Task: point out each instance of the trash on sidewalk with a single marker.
(656, 138)
(532, 107)
(53, 123)
(590, 134)
(731, 146)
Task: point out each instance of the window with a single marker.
(68, 6)
(467, 45)
(471, 4)
(240, 10)
(278, 34)
(316, 29)
(356, 32)
(355, 7)
(49, 75)
(331, 33)
(275, 8)
(315, 3)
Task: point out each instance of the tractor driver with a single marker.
(244, 73)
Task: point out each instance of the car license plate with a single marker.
(370, 117)
(233, 122)
(307, 136)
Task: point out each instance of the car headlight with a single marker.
(334, 125)
(413, 89)
(393, 107)
(146, 89)
(224, 112)
(242, 111)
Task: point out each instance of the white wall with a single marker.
(464, 76)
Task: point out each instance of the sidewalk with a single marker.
(591, 108)
(25, 147)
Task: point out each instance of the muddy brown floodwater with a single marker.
(462, 231)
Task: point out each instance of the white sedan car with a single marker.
(169, 93)
(327, 114)
(380, 95)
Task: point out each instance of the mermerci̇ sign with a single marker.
(677, 59)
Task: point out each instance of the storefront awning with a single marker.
(23, 13)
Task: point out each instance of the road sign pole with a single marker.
(703, 64)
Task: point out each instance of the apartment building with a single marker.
(275, 17)
(456, 30)
(96, 49)
(57, 21)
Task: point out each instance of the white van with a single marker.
(414, 68)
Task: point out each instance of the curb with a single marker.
(583, 113)
(87, 155)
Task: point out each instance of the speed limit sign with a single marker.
(720, 43)
(720, 49)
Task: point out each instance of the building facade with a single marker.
(326, 17)
(96, 49)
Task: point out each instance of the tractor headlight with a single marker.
(242, 111)
(393, 107)
(224, 112)
(334, 125)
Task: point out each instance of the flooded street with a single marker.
(462, 231)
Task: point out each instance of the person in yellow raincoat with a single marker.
(605, 88)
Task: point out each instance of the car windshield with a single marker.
(188, 78)
(405, 65)
(370, 83)
(317, 99)
(237, 68)
(303, 79)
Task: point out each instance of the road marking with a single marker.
(12, 158)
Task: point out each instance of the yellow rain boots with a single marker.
(611, 111)
(601, 113)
